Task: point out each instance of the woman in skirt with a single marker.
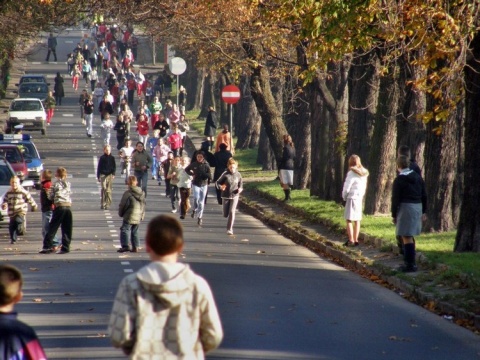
(409, 204)
(353, 192)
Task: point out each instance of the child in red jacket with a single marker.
(142, 126)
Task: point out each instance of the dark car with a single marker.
(13, 155)
(33, 78)
(33, 90)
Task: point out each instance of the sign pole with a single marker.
(231, 128)
(177, 90)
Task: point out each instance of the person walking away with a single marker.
(17, 339)
(105, 174)
(184, 186)
(50, 103)
(46, 205)
(16, 201)
(409, 206)
(142, 161)
(62, 214)
(106, 129)
(132, 210)
(211, 126)
(200, 170)
(405, 151)
(221, 163)
(353, 192)
(167, 296)
(231, 185)
(88, 108)
(58, 89)
(142, 126)
(224, 137)
(173, 176)
(52, 47)
(286, 166)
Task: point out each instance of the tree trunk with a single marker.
(209, 94)
(441, 153)
(197, 96)
(410, 129)
(468, 231)
(265, 155)
(247, 121)
(320, 129)
(264, 100)
(363, 94)
(334, 93)
(383, 153)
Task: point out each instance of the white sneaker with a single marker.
(229, 232)
(174, 211)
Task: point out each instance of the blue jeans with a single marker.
(46, 218)
(16, 222)
(142, 179)
(129, 232)
(155, 167)
(199, 194)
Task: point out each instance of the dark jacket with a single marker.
(211, 124)
(408, 187)
(200, 172)
(120, 128)
(132, 205)
(46, 203)
(88, 107)
(106, 165)
(58, 87)
(17, 338)
(162, 126)
(233, 182)
(288, 157)
(221, 159)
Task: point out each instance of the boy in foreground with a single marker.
(17, 339)
(165, 310)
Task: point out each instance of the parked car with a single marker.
(29, 112)
(33, 90)
(30, 154)
(33, 78)
(13, 155)
(6, 173)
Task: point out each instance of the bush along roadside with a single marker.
(455, 297)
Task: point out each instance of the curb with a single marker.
(362, 265)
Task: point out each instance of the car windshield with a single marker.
(32, 79)
(33, 88)
(12, 155)
(26, 106)
(5, 175)
(29, 151)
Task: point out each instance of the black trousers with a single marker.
(62, 217)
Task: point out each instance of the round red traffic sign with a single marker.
(230, 94)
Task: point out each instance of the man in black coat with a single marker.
(221, 160)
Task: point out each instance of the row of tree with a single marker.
(341, 77)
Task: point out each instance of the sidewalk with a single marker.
(370, 260)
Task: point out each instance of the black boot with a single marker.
(409, 257)
(211, 145)
(287, 194)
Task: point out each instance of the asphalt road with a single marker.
(277, 300)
